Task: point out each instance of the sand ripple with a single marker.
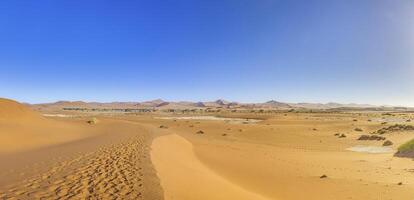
(114, 172)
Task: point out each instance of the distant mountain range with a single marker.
(220, 103)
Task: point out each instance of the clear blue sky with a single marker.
(243, 50)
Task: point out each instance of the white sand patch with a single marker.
(370, 149)
(390, 120)
(226, 119)
(58, 115)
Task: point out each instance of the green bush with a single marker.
(408, 146)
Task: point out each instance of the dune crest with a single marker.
(14, 111)
(184, 177)
(22, 128)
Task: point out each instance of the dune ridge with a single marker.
(118, 170)
(14, 111)
(184, 177)
(23, 129)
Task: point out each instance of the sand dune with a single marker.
(184, 177)
(12, 111)
(281, 156)
(23, 129)
(105, 174)
(285, 156)
(109, 166)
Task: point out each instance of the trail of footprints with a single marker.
(113, 172)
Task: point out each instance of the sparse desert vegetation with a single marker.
(93, 121)
(371, 137)
(395, 128)
(406, 149)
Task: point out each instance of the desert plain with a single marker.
(72, 150)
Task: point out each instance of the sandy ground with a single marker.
(184, 177)
(113, 165)
(50, 158)
(281, 156)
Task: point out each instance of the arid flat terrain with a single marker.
(54, 153)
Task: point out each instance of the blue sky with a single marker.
(240, 50)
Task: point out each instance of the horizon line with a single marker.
(241, 102)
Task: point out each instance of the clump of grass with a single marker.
(92, 121)
(395, 128)
(387, 143)
(371, 137)
(408, 146)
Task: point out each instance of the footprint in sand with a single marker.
(112, 172)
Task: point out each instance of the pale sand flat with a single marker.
(184, 177)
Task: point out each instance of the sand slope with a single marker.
(184, 177)
(12, 111)
(114, 165)
(104, 174)
(22, 129)
(284, 158)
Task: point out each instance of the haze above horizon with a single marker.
(240, 50)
